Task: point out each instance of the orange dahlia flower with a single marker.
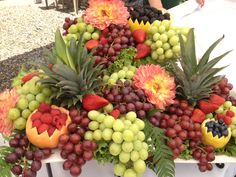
(158, 85)
(8, 100)
(102, 13)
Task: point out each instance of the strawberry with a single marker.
(216, 99)
(198, 116)
(55, 112)
(207, 107)
(51, 130)
(91, 44)
(228, 120)
(103, 41)
(50, 65)
(59, 124)
(46, 118)
(55, 119)
(115, 113)
(220, 116)
(29, 76)
(139, 35)
(36, 123)
(93, 102)
(36, 115)
(230, 113)
(43, 107)
(63, 116)
(42, 128)
(143, 50)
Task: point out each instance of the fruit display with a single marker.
(73, 29)
(141, 17)
(147, 13)
(163, 38)
(31, 94)
(45, 125)
(135, 98)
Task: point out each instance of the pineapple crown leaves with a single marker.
(74, 72)
(196, 78)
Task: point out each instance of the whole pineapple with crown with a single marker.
(195, 78)
(73, 72)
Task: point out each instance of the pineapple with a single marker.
(73, 73)
(195, 78)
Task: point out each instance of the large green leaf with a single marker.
(60, 47)
(205, 58)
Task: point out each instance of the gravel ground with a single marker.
(9, 68)
(25, 26)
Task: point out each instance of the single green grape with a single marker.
(92, 115)
(128, 135)
(119, 169)
(90, 28)
(88, 135)
(130, 173)
(30, 97)
(139, 166)
(131, 116)
(127, 146)
(93, 125)
(22, 103)
(97, 135)
(33, 105)
(26, 113)
(124, 157)
(107, 134)
(143, 154)
(118, 125)
(14, 113)
(20, 123)
(134, 156)
(117, 137)
(137, 145)
(108, 121)
(108, 108)
(115, 149)
(95, 36)
(40, 97)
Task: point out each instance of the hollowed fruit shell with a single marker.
(43, 140)
(134, 25)
(216, 142)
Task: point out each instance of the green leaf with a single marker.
(205, 57)
(65, 72)
(162, 164)
(60, 47)
(70, 59)
(125, 58)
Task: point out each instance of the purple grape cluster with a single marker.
(126, 98)
(114, 38)
(20, 144)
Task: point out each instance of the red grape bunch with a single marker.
(113, 39)
(223, 89)
(178, 125)
(21, 156)
(73, 147)
(204, 156)
(125, 98)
